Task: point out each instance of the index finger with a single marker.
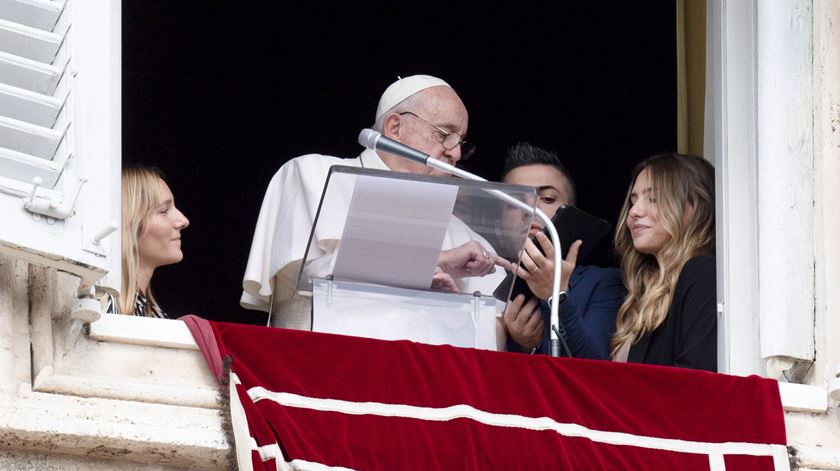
(500, 261)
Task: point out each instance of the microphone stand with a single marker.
(554, 319)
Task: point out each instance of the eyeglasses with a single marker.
(449, 139)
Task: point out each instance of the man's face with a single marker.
(440, 107)
(552, 191)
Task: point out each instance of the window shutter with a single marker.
(60, 134)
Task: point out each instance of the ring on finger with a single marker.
(486, 255)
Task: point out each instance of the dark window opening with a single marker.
(220, 97)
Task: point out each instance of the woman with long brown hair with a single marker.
(666, 239)
(151, 237)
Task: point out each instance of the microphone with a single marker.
(373, 140)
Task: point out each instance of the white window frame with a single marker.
(731, 125)
(732, 128)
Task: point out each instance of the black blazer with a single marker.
(688, 336)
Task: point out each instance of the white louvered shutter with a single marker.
(60, 140)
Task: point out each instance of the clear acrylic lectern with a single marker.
(372, 262)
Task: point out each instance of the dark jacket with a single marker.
(588, 315)
(688, 336)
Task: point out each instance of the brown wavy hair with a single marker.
(678, 182)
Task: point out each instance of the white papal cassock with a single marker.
(282, 232)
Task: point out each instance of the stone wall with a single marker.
(135, 393)
(71, 401)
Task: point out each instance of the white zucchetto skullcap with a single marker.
(404, 88)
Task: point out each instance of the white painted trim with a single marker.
(31, 43)
(732, 124)
(28, 74)
(785, 125)
(38, 141)
(18, 189)
(96, 95)
(143, 331)
(26, 168)
(41, 14)
(26, 105)
(803, 398)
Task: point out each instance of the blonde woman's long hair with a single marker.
(140, 196)
(678, 182)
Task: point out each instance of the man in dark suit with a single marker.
(590, 295)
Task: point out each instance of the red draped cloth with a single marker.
(304, 400)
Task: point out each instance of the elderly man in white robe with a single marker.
(420, 111)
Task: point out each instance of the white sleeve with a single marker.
(283, 227)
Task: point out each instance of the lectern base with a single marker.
(387, 313)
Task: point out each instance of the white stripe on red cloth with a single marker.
(715, 451)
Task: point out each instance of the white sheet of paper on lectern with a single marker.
(394, 232)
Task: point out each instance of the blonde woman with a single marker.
(666, 240)
(151, 237)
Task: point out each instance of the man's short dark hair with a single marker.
(523, 154)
